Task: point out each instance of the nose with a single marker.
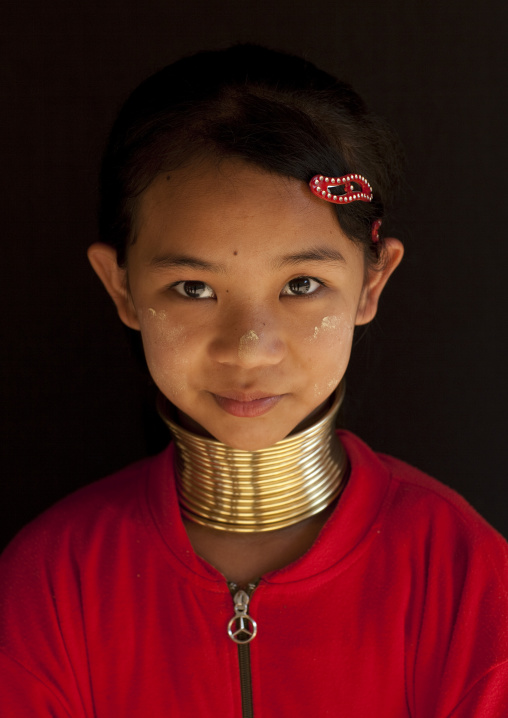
(248, 339)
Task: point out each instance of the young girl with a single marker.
(262, 564)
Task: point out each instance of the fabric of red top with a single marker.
(399, 609)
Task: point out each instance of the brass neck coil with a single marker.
(249, 491)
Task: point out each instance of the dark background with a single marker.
(428, 381)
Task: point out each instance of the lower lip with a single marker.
(249, 409)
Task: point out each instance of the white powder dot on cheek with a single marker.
(154, 314)
(327, 386)
(164, 344)
(328, 324)
(159, 329)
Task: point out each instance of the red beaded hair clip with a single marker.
(321, 187)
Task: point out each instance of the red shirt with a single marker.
(399, 609)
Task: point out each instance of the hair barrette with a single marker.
(375, 230)
(351, 188)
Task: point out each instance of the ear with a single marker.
(393, 252)
(103, 259)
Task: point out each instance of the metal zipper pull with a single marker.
(242, 628)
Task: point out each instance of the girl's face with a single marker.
(246, 293)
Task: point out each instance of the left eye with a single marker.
(301, 285)
(194, 290)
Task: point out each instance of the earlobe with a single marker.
(377, 279)
(102, 257)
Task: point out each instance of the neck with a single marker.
(265, 490)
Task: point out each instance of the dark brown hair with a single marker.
(274, 110)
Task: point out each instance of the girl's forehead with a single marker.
(233, 201)
(208, 187)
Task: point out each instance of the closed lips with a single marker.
(247, 407)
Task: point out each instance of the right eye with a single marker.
(194, 290)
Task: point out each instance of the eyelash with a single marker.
(308, 294)
(179, 288)
(177, 285)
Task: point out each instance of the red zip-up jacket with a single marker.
(399, 609)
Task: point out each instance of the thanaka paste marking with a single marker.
(247, 343)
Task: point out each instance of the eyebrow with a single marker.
(313, 254)
(169, 261)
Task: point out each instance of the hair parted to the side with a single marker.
(274, 110)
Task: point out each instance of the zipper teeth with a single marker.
(245, 680)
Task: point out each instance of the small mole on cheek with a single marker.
(235, 252)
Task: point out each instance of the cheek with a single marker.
(165, 345)
(329, 349)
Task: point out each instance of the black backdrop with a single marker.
(428, 381)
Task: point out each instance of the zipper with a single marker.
(242, 629)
